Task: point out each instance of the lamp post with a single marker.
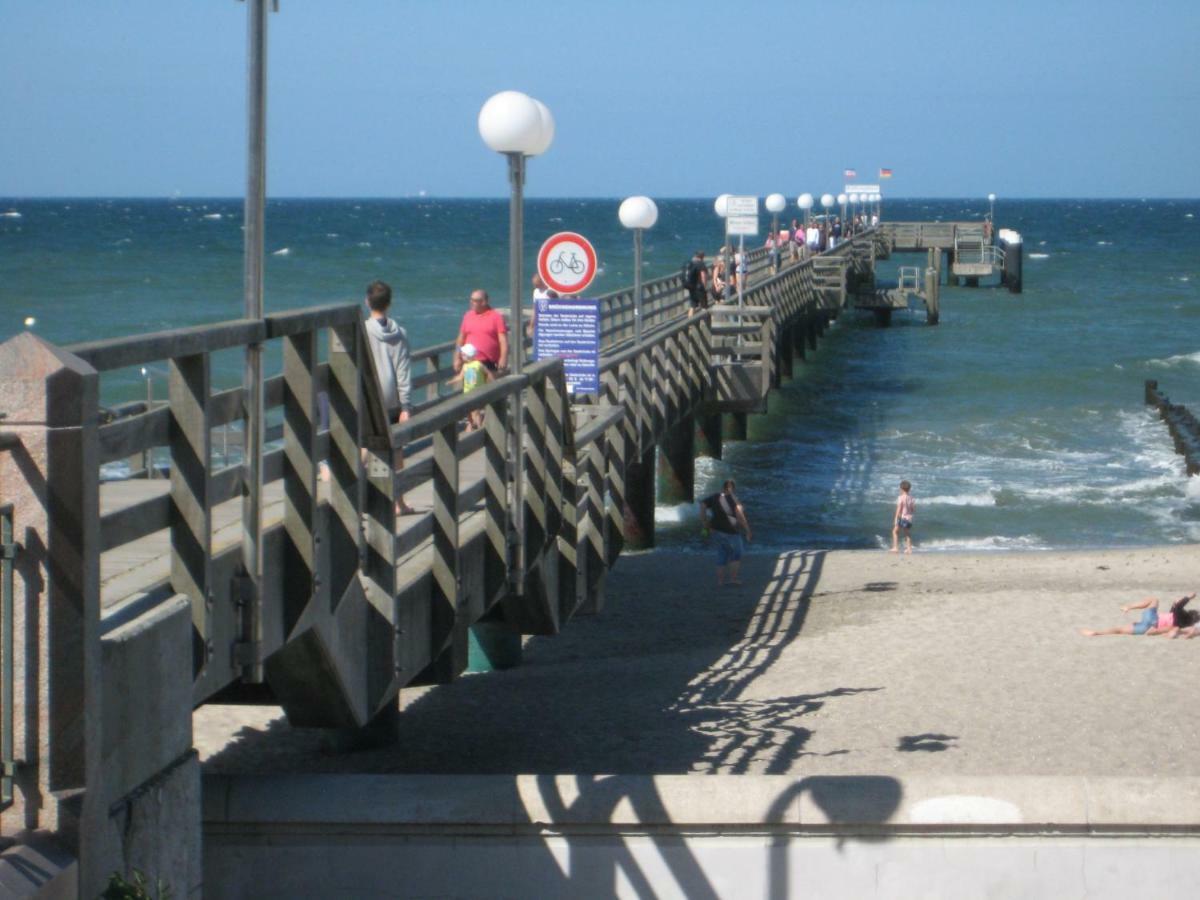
(827, 204)
(775, 204)
(721, 208)
(841, 199)
(853, 198)
(638, 214)
(879, 208)
(991, 207)
(253, 433)
(518, 126)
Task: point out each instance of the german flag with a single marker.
(885, 173)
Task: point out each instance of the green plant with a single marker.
(137, 889)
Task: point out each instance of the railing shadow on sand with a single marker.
(617, 695)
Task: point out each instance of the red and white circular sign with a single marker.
(567, 262)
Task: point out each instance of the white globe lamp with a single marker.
(638, 212)
(721, 205)
(512, 122)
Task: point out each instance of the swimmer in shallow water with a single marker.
(1172, 623)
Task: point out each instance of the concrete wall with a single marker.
(699, 836)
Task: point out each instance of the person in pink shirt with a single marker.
(1152, 621)
(485, 329)
(906, 508)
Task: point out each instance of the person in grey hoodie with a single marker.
(389, 351)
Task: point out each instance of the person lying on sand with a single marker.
(1172, 623)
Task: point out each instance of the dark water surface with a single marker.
(1019, 419)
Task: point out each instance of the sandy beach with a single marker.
(820, 663)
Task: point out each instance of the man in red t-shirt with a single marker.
(486, 329)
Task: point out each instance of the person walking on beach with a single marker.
(723, 516)
(485, 329)
(695, 280)
(1152, 622)
(906, 508)
(393, 368)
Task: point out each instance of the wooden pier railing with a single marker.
(128, 603)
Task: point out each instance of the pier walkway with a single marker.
(127, 604)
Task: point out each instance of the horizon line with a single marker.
(504, 198)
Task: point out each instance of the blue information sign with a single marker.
(569, 327)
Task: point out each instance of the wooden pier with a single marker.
(130, 603)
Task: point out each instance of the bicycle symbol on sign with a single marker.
(562, 263)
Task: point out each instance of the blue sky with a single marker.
(380, 97)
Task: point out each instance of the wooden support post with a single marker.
(596, 525)
(345, 461)
(498, 524)
(49, 477)
(445, 591)
(639, 502)
(735, 426)
(677, 463)
(787, 345)
(492, 641)
(299, 576)
(708, 435)
(812, 327)
(191, 511)
(932, 299)
(572, 557)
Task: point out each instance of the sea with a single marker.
(1019, 419)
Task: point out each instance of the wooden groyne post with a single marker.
(1182, 424)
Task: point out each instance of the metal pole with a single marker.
(516, 227)
(741, 264)
(637, 327)
(776, 250)
(147, 454)
(637, 286)
(252, 382)
(725, 257)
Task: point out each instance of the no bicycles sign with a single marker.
(567, 262)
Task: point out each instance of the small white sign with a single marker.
(742, 206)
(743, 225)
(862, 189)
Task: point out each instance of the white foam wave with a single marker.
(983, 499)
(1039, 255)
(11, 214)
(1176, 360)
(211, 216)
(364, 243)
(983, 544)
(683, 512)
(285, 251)
(1103, 243)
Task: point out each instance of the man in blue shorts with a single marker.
(723, 514)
